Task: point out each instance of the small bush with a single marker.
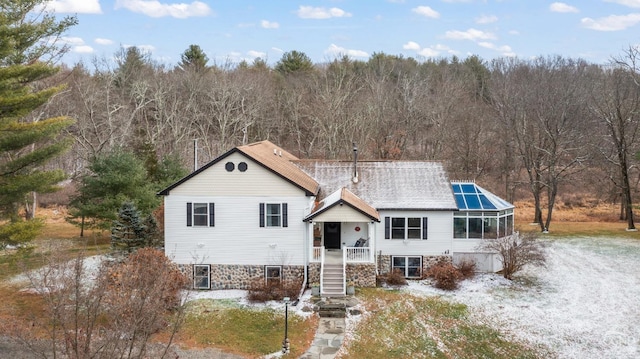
(394, 278)
(261, 291)
(467, 268)
(446, 275)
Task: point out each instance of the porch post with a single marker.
(309, 242)
(371, 233)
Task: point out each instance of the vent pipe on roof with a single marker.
(354, 179)
(195, 154)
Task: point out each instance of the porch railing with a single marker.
(317, 254)
(357, 254)
(351, 254)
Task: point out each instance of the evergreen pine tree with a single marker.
(128, 231)
(26, 145)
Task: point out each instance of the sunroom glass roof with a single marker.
(472, 197)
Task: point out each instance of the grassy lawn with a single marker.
(396, 325)
(401, 325)
(250, 332)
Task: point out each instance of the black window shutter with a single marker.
(387, 227)
(189, 216)
(212, 214)
(285, 221)
(425, 227)
(261, 214)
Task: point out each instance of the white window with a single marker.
(410, 267)
(202, 276)
(273, 215)
(273, 274)
(406, 228)
(200, 214)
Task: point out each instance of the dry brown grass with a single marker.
(58, 228)
(584, 217)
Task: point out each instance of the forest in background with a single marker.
(525, 129)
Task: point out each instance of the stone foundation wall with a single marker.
(314, 273)
(361, 274)
(241, 276)
(384, 262)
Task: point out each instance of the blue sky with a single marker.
(235, 30)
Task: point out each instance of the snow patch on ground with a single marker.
(584, 304)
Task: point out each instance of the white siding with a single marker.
(255, 181)
(485, 262)
(440, 235)
(340, 213)
(237, 237)
(349, 235)
(466, 245)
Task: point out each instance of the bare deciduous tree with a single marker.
(107, 311)
(516, 251)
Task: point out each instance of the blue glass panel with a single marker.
(460, 202)
(468, 188)
(472, 201)
(456, 188)
(486, 203)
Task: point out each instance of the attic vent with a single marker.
(275, 152)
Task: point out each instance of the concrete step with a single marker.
(332, 310)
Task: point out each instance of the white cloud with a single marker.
(562, 7)
(277, 50)
(611, 23)
(504, 49)
(310, 12)
(82, 49)
(486, 19)
(255, 54)
(629, 3)
(75, 6)
(336, 51)
(426, 11)
(411, 46)
(154, 8)
(428, 52)
(101, 41)
(72, 40)
(471, 34)
(269, 25)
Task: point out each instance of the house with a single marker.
(257, 211)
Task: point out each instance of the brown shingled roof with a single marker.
(279, 161)
(344, 196)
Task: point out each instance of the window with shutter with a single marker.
(200, 214)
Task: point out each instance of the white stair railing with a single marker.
(344, 271)
(322, 269)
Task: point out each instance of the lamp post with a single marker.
(285, 342)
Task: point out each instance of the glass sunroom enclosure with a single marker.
(482, 214)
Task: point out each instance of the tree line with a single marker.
(525, 128)
(537, 129)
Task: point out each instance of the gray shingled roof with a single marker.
(386, 184)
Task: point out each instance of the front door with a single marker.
(332, 235)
